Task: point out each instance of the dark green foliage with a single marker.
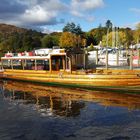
(90, 39)
(95, 35)
(129, 36)
(18, 39)
(71, 27)
(109, 24)
(48, 41)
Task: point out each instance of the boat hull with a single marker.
(116, 78)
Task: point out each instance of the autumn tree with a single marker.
(67, 40)
(122, 39)
(95, 35)
(137, 33)
(83, 42)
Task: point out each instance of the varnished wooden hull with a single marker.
(117, 78)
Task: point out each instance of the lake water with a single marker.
(36, 112)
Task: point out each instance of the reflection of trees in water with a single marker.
(56, 105)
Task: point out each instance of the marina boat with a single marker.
(55, 68)
(91, 58)
(136, 56)
(114, 58)
(135, 61)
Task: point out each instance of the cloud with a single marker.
(81, 8)
(31, 12)
(130, 25)
(86, 4)
(10, 11)
(7, 7)
(48, 31)
(35, 13)
(134, 25)
(38, 15)
(136, 10)
(90, 18)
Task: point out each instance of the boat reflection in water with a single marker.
(36, 112)
(63, 101)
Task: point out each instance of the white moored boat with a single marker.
(113, 59)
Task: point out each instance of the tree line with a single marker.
(71, 36)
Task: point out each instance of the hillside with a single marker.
(18, 39)
(6, 29)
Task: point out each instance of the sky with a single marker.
(52, 15)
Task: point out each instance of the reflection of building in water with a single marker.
(64, 101)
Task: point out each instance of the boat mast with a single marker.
(113, 36)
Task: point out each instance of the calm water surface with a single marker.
(35, 112)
